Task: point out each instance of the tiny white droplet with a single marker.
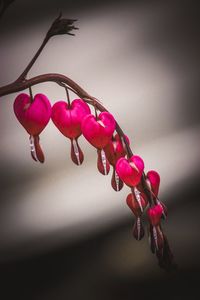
(76, 151)
(138, 198)
(117, 181)
(101, 123)
(104, 161)
(32, 147)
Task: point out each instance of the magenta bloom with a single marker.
(137, 202)
(114, 150)
(130, 170)
(98, 132)
(34, 116)
(155, 213)
(68, 120)
(154, 180)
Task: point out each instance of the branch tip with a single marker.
(62, 26)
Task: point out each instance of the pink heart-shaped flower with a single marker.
(154, 180)
(98, 132)
(34, 116)
(137, 203)
(68, 119)
(130, 170)
(154, 213)
(115, 149)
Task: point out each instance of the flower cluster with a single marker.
(74, 119)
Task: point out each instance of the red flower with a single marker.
(154, 213)
(67, 119)
(130, 170)
(34, 115)
(154, 181)
(114, 150)
(98, 132)
(137, 202)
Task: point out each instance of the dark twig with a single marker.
(58, 27)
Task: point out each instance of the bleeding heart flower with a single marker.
(154, 181)
(130, 170)
(34, 116)
(68, 120)
(154, 213)
(115, 149)
(137, 202)
(98, 132)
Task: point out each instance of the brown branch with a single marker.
(58, 27)
(20, 85)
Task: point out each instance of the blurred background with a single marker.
(64, 233)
